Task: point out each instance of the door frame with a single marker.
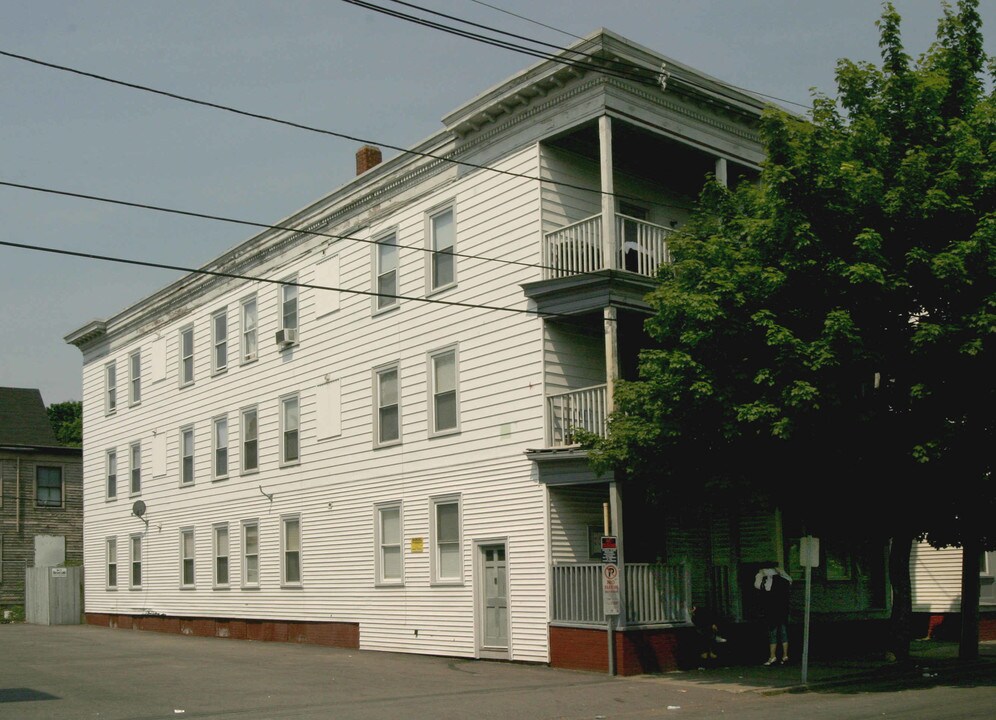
(480, 650)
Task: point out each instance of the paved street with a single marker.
(77, 672)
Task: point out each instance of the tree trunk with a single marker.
(901, 622)
(968, 646)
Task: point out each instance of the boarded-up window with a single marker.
(329, 410)
(327, 276)
(159, 359)
(159, 454)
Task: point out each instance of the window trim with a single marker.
(243, 468)
(244, 357)
(131, 561)
(110, 544)
(184, 533)
(284, 461)
(378, 372)
(219, 341)
(135, 378)
(430, 242)
(181, 358)
(284, 520)
(132, 492)
(379, 579)
(431, 388)
(62, 486)
(434, 543)
(379, 242)
(215, 449)
(215, 556)
(243, 554)
(184, 431)
(281, 315)
(110, 458)
(110, 388)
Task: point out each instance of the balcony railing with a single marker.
(655, 594)
(584, 409)
(577, 248)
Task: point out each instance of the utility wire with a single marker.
(531, 20)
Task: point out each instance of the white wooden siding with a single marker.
(572, 510)
(574, 356)
(936, 578)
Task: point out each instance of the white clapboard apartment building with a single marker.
(365, 438)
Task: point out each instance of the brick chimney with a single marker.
(367, 157)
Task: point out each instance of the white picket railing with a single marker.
(577, 248)
(655, 594)
(586, 409)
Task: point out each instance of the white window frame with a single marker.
(285, 429)
(433, 357)
(285, 551)
(282, 300)
(218, 551)
(249, 330)
(111, 561)
(135, 540)
(380, 580)
(379, 407)
(135, 469)
(435, 250)
(245, 554)
(111, 474)
(219, 341)
(110, 388)
(219, 448)
(435, 544)
(386, 243)
(185, 533)
(245, 438)
(135, 378)
(188, 432)
(182, 364)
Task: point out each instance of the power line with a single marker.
(531, 20)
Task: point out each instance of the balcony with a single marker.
(577, 248)
(584, 409)
(655, 594)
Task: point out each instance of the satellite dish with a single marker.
(138, 509)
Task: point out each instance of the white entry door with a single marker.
(493, 588)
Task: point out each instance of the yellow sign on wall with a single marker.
(417, 544)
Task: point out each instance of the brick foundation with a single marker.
(332, 634)
(637, 651)
(947, 626)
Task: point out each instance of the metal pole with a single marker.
(610, 621)
(805, 627)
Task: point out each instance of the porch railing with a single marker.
(586, 409)
(577, 248)
(654, 593)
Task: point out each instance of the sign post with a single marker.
(610, 592)
(809, 557)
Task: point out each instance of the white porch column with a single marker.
(609, 316)
(610, 256)
(721, 176)
(616, 513)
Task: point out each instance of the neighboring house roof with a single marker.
(24, 419)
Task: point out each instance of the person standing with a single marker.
(775, 586)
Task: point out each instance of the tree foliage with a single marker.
(67, 422)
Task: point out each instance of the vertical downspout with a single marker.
(17, 498)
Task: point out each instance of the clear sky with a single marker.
(323, 63)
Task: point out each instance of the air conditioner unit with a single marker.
(287, 336)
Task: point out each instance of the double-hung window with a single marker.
(447, 559)
(290, 429)
(386, 256)
(290, 540)
(187, 355)
(135, 452)
(219, 339)
(48, 486)
(221, 555)
(443, 400)
(187, 456)
(111, 463)
(219, 434)
(135, 377)
(250, 553)
(289, 311)
(442, 243)
(249, 332)
(110, 388)
(250, 441)
(187, 558)
(387, 396)
(388, 531)
(135, 579)
(111, 549)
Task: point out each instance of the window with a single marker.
(249, 329)
(219, 337)
(443, 390)
(136, 561)
(250, 553)
(110, 388)
(388, 534)
(220, 435)
(112, 562)
(250, 443)
(48, 486)
(136, 468)
(291, 545)
(447, 559)
(221, 555)
(186, 356)
(135, 377)
(187, 456)
(442, 233)
(290, 422)
(387, 423)
(111, 463)
(386, 271)
(187, 558)
(288, 306)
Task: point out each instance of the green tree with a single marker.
(825, 337)
(67, 422)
